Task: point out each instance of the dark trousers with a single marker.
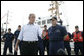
(78, 46)
(67, 46)
(40, 47)
(7, 45)
(15, 52)
(41, 50)
(54, 46)
(46, 45)
(29, 48)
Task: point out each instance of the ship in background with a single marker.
(54, 10)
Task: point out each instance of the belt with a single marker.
(30, 41)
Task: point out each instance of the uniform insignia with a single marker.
(57, 30)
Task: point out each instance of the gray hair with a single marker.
(31, 15)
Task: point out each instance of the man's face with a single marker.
(77, 29)
(19, 28)
(54, 21)
(32, 18)
(45, 27)
(9, 31)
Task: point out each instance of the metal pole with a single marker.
(56, 6)
(7, 20)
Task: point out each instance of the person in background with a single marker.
(45, 39)
(16, 34)
(8, 38)
(78, 40)
(40, 46)
(67, 41)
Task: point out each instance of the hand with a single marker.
(16, 48)
(3, 39)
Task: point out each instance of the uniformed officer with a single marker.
(16, 33)
(56, 34)
(45, 39)
(67, 41)
(8, 38)
(78, 40)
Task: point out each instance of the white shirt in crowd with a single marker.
(30, 32)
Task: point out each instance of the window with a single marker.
(43, 22)
(35, 22)
(48, 21)
(39, 23)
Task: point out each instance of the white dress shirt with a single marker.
(30, 32)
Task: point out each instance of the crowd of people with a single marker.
(30, 39)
